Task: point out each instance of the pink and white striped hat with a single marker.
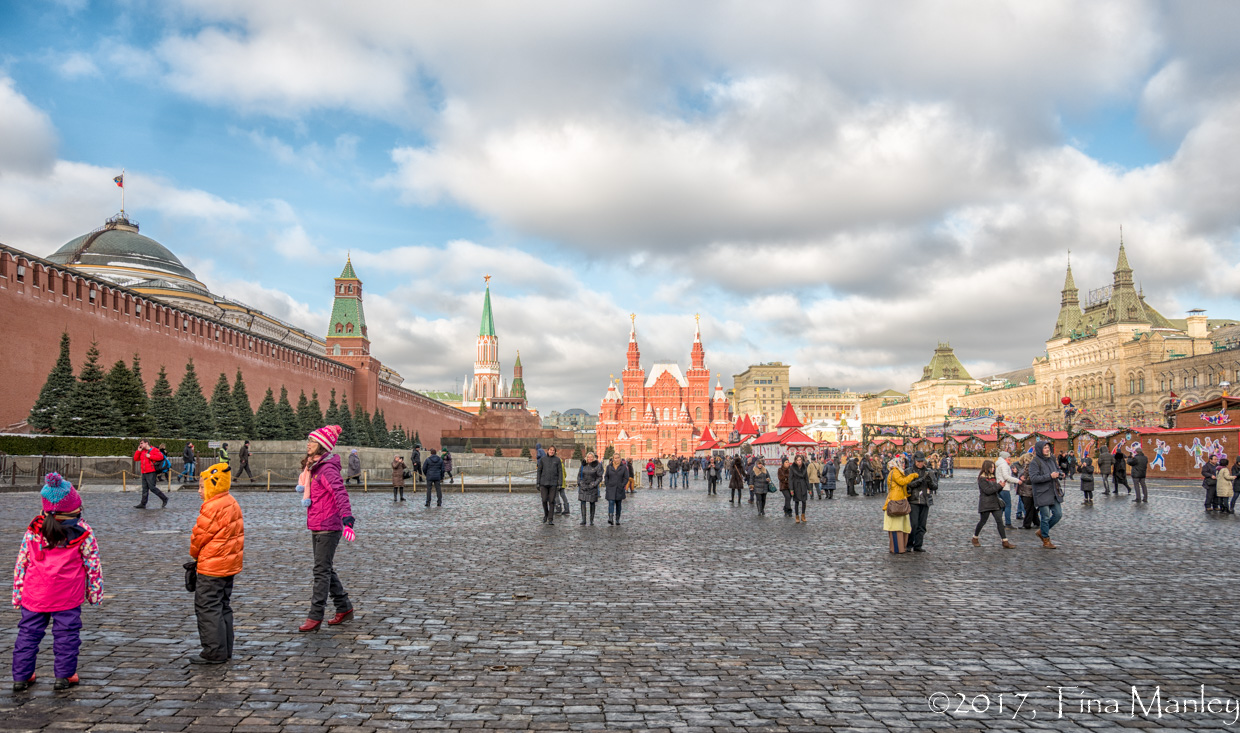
(326, 436)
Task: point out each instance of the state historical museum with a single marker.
(665, 412)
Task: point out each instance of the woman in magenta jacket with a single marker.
(328, 517)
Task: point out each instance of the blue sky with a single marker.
(828, 184)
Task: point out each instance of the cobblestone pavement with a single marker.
(692, 615)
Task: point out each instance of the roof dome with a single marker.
(117, 252)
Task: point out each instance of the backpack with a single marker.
(165, 465)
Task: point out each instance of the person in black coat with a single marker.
(736, 483)
(433, 470)
(798, 483)
(1121, 471)
(550, 477)
(1087, 480)
(851, 472)
(1140, 464)
(615, 482)
(989, 504)
(589, 476)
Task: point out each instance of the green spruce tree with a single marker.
(398, 439)
(267, 425)
(291, 429)
(224, 411)
(417, 440)
(314, 414)
(56, 389)
(164, 411)
(607, 454)
(379, 430)
(361, 426)
(129, 401)
(245, 411)
(525, 452)
(303, 407)
(146, 426)
(347, 435)
(88, 410)
(499, 452)
(196, 420)
(332, 416)
(577, 454)
(469, 446)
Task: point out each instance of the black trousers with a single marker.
(326, 582)
(436, 486)
(851, 483)
(245, 466)
(981, 522)
(787, 500)
(711, 483)
(737, 491)
(1031, 512)
(149, 484)
(398, 492)
(213, 607)
(548, 496)
(761, 503)
(1143, 493)
(917, 518)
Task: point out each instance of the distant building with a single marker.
(763, 391)
(575, 419)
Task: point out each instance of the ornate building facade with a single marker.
(1121, 361)
(662, 412)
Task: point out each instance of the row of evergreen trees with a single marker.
(117, 403)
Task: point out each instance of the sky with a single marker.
(835, 185)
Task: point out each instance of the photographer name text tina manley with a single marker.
(1070, 701)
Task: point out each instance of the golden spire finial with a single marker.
(486, 279)
(633, 318)
(697, 317)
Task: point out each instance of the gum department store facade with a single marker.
(1120, 360)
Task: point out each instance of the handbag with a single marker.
(408, 474)
(898, 508)
(191, 575)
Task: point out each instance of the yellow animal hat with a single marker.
(216, 480)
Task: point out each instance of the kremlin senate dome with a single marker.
(119, 254)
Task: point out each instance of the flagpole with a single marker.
(122, 191)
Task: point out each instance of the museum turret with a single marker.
(1071, 319)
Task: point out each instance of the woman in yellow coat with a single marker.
(897, 528)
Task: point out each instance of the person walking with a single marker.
(650, 473)
(398, 478)
(711, 469)
(415, 465)
(550, 476)
(1209, 481)
(798, 482)
(1045, 476)
(851, 472)
(867, 477)
(616, 480)
(920, 498)
(329, 518)
(785, 485)
(1121, 471)
(447, 466)
(433, 470)
(148, 459)
(1072, 464)
(1224, 491)
(562, 491)
(659, 470)
(1140, 464)
(761, 486)
(1087, 480)
(188, 461)
(1024, 491)
(355, 467)
(589, 476)
(830, 472)
(684, 472)
(1106, 465)
(673, 467)
(1007, 482)
(990, 504)
(896, 508)
(217, 546)
(244, 457)
(57, 571)
(736, 484)
(697, 465)
(813, 472)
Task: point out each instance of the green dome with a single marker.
(119, 244)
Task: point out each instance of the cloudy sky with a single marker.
(834, 185)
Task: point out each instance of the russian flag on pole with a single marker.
(119, 180)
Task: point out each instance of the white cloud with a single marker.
(77, 65)
(27, 138)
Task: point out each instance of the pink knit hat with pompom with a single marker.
(59, 496)
(326, 436)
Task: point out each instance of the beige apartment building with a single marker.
(762, 391)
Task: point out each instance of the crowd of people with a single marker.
(58, 567)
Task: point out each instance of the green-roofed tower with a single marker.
(486, 384)
(944, 365)
(1071, 319)
(346, 331)
(517, 391)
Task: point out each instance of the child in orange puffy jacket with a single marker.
(218, 544)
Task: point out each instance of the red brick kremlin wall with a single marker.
(47, 299)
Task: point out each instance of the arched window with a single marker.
(348, 328)
(667, 414)
(649, 444)
(339, 328)
(336, 350)
(632, 413)
(697, 414)
(684, 445)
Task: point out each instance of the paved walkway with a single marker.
(693, 615)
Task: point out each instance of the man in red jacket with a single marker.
(149, 458)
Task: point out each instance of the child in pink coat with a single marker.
(57, 570)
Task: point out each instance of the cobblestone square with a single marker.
(694, 615)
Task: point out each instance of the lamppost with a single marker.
(1069, 412)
